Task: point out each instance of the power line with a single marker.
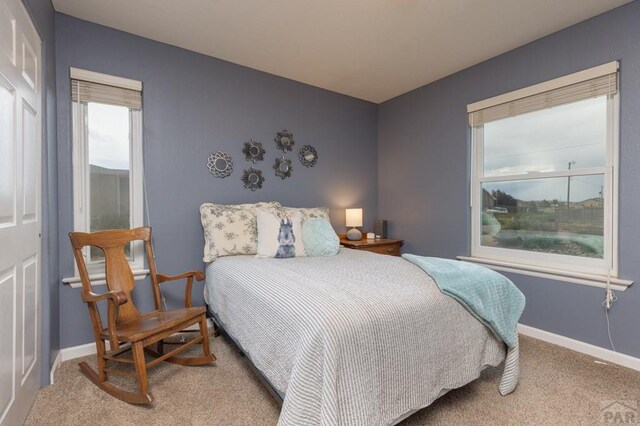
(543, 150)
(584, 181)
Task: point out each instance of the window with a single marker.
(107, 159)
(544, 175)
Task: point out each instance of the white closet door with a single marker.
(20, 212)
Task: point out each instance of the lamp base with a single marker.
(354, 234)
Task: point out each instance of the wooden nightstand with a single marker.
(382, 246)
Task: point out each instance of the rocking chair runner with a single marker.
(127, 329)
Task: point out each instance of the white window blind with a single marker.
(86, 91)
(90, 86)
(598, 81)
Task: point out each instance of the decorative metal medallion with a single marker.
(220, 164)
(308, 156)
(284, 141)
(283, 167)
(253, 151)
(252, 178)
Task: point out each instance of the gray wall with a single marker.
(423, 175)
(194, 105)
(43, 16)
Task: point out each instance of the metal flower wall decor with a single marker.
(253, 151)
(284, 141)
(252, 178)
(283, 168)
(308, 156)
(220, 164)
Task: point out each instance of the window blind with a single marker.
(87, 91)
(606, 84)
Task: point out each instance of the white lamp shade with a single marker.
(354, 217)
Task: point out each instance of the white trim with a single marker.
(99, 279)
(581, 270)
(81, 179)
(587, 171)
(599, 281)
(110, 80)
(614, 155)
(54, 367)
(136, 194)
(582, 347)
(79, 351)
(79, 162)
(588, 74)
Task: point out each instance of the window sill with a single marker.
(552, 274)
(99, 279)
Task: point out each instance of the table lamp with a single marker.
(354, 218)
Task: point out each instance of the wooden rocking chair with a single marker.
(127, 329)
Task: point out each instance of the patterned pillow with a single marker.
(231, 229)
(307, 213)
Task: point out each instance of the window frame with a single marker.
(597, 269)
(81, 176)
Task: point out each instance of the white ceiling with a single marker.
(370, 49)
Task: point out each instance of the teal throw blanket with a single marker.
(491, 297)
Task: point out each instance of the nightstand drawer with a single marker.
(382, 246)
(392, 250)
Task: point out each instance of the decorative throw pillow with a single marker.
(279, 237)
(307, 213)
(319, 238)
(231, 229)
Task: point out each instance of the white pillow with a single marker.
(279, 237)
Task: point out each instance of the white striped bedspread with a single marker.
(353, 339)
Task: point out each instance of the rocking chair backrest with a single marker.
(118, 274)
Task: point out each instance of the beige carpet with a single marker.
(558, 386)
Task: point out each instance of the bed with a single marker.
(352, 339)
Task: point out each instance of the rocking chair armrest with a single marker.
(198, 275)
(117, 297)
(114, 299)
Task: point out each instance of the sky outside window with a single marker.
(109, 139)
(548, 140)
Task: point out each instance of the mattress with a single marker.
(353, 339)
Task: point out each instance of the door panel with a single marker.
(29, 315)
(7, 153)
(7, 332)
(29, 64)
(7, 34)
(20, 195)
(29, 159)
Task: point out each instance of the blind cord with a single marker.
(146, 210)
(610, 297)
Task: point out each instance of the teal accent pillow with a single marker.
(319, 238)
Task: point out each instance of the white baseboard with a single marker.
(90, 349)
(78, 351)
(555, 339)
(54, 367)
(582, 347)
(73, 352)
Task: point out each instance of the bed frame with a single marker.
(219, 327)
